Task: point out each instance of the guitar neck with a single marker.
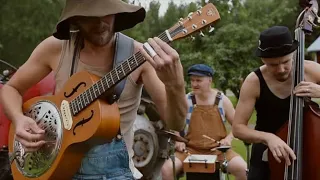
(194, 22)
(111, 79)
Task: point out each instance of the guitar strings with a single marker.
(82, 100)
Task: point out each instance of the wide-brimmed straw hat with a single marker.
(126, 15)
(276, 42)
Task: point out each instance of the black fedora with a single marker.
(276, 42)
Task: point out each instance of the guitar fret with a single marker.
(75, 107)
(107, 82)
(134, 56)
(80, 103)
(71, 107)
(87, 98)
(102, 86)
(90, 92)
(81, 100)
(124, 73)
(76, 101)
(111, 77)
(131, 63)
(96, 89)
(117, 73)
(128, 64)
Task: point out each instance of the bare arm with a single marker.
(310, 87)
(248, 95)
(229, 110)
(31, 72)
(170, 100)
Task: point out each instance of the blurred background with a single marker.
(228, 49)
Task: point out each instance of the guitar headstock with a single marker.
(195, 22)
(310, 15)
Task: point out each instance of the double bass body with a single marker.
(302, 131)
(311, 146)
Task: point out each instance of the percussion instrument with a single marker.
(200, 163)
(202, 167)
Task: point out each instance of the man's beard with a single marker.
(99, 39)
(282, 77)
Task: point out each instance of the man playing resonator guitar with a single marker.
(96, 23)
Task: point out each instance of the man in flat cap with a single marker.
(208, 110)
(87, 38)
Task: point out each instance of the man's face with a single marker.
(97, 30)
(200, 84)
(279, 67)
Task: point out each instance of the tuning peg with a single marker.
(192, 38)
(211, 29)
(201, 34)
(190, 16)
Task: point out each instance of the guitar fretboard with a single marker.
(110, 79)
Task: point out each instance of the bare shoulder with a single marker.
(250, 86)
(312, 70)
(311, 66)
(49, 48)
(39, 64)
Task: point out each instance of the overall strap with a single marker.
(192, 102)
(218, 98)
(124, 49)
(191, 99)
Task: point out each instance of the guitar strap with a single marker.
(124, 47)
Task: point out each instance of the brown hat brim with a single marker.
(126, 15)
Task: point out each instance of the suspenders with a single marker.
(216, 102)
(192, 102)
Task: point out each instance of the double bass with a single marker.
(301, 132)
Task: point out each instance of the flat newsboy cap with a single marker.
(201, 70)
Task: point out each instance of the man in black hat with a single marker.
(268, 91)
(87, 38)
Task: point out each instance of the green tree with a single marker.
(24, 24)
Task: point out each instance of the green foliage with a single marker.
(24, 24)
(229, 49)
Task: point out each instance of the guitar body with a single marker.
(311, 154)
(60, 158)
(75, 120)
